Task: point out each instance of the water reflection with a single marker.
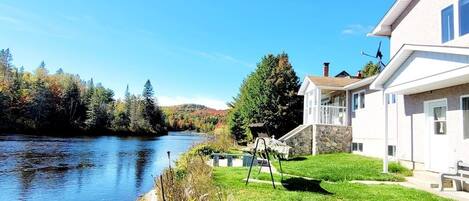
(102, 168)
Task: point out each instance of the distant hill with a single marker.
(194, 117)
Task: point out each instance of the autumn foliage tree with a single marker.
(62, 103)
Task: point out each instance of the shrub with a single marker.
(192, 178)
(399, 169)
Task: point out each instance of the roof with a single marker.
(361, 83)
(331, 81)
(343, 74)
(405, 52)
(384, 26)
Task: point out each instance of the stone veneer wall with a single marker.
(332, 139)
(302, 142)
(321, 139)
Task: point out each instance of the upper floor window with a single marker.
(358, 100)
(463, 17)
(447, 23)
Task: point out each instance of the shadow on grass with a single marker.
(300, 184)
(297, 159)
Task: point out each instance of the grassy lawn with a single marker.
(231, 181)
(342, 167)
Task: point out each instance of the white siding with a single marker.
(421, 24)
(425, 64)
(368, 125)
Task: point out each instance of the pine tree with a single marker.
(268, 95)
(151, 113)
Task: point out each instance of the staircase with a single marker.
(429, 181)
(425, 179)
(292, 132)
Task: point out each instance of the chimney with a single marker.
(326, 69)
(359, 74)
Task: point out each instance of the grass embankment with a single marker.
(231, 180)
(343, 167)
(193, 179)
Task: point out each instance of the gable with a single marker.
(427, 71)
(421, 65)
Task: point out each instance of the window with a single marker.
(463, 17)
(439, 120)
(465, 110)
(392, 98)
(358, 100)
(357, 147)
(447, 24)
(355, 101)
(391, 150)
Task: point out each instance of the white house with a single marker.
(429, 72)
(416, 111)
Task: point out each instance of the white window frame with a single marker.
(359, 100)
(462, 115)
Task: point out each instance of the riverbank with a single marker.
(333, 180)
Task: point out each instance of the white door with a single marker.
(439, 150)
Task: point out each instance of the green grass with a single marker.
(231, 181)
(342, 167)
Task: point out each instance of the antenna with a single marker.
(378, 56)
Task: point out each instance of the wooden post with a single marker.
(216, 159)
(230, 161)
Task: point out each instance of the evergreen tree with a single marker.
(151, 113)
(40, 107)
(71, 101)
(268, 95)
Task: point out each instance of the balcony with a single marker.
(326, 107)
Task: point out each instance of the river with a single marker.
(84, 168)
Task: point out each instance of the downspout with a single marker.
(385, 158)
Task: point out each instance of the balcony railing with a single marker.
(332, 115)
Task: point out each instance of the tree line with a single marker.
(194, 117)
(63, 103)
(268, 95)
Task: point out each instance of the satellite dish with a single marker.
(378, 56)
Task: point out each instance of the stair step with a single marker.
(428, 179)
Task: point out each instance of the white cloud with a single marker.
(178, 100)
(9, 20)
(219, 57)
(357, 29)
(29, 22)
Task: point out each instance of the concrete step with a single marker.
(428, 179)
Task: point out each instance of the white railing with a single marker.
(332, 115)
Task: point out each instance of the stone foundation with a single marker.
(332, 139)
(320, 139)
(302, 142)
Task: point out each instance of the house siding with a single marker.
(421, 24)
(368, 123)
(412, 130)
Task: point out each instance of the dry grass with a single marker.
(192, 179)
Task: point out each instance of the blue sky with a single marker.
(192, 51)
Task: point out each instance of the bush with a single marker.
(192, 178)
(399, 169)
